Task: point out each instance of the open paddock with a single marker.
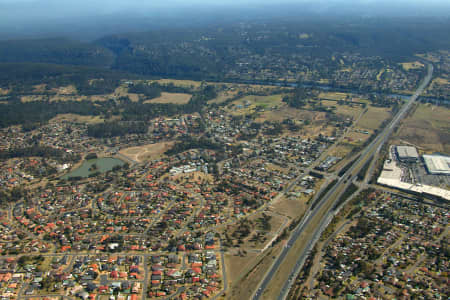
(357, 136)
(334, 95)
(286, 112)
(373, 117)
(174, 98)
(428, 127)
(291, 207)
(78, 119)
(223, 96)
(251, 272)
(412, 65)
(122, 91)
(251, 104)
(146, 152)
(347, 110)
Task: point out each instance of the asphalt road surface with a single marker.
(333, 195)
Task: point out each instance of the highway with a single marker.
(323, 212)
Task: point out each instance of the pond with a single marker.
(92, 166)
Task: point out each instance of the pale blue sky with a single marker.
(18, 9)
(30, 16)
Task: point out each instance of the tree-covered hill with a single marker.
(55, 51)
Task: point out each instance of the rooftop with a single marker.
(437, 164)
(407, 152)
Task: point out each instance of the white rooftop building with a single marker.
(391, 176)
(407, 153)
(437, 164)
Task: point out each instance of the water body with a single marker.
(103, 164)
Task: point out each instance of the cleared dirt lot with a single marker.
(146, 152)
(175, 98)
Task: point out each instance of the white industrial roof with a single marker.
(407, 151)
(415, 188)
(437, 164)
(391, 176)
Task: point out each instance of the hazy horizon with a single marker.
(45, 18)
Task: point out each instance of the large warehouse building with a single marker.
(437, 164)
(407, 154)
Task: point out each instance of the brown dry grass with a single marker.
(78, 119)
(175, 98)
(254, 102)
(333, 95)
(244, 288)
(39, 88)
(223, 96)
(286, 112)
(412, 65)
(373, 117)
(31, 98)
(276, 222)
(347, 111)
(317, 127)
(282, 274)
(341, 150)
(236, 264)
(146, 152)
(66, 90)
(357, 138)
(291, 207)
(437, 83)
(122, 91)
(428, 127)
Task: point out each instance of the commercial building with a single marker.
(437, 164)
(391, 176)
(407, 154)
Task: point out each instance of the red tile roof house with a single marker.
(114, 274)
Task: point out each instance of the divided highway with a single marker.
(323, 212)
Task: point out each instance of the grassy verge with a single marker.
(348, 192)
(348, 166)
(362, 173)
(323, 193)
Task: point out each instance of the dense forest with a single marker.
(41, 111)
(298, 98)
(204, 53)
(148, 90)
(22, 76)
(208, 53)
(55, 51)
